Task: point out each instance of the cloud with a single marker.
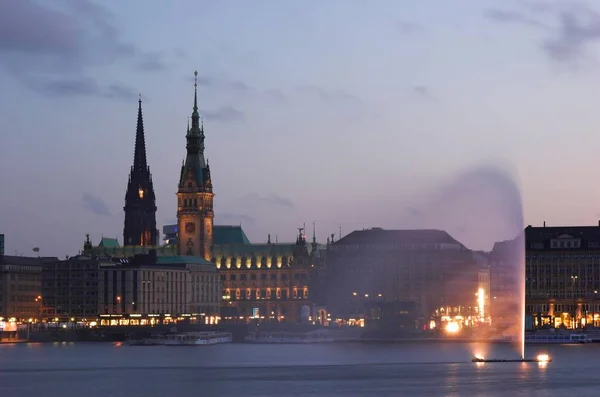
(235, 218)
(408, 28)
(414, 212)
(325, 95)
(223, 114)
(422, 90)
(271, 199)
(504, 16)
(275, 95)
(576, 27)
(95, 205)
(53, 50)
(461, 229)
(83, 86)
(121, 92)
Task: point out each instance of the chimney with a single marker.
(544, 223)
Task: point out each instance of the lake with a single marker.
(338, 369)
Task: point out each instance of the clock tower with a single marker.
(195, 193)
(140, 202)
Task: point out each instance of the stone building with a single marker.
(562, 275)
(70, 287)
(417, 276)
(139, 290)
(263, 282)
(21, 287)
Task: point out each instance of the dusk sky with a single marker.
(343, 112)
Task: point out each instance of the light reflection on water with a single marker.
(290, 370)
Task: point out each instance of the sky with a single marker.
(347, 113)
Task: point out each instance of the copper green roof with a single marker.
(108, 242)
(180, 259)
(225, 234)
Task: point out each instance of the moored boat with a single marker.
(557, 338)
(198, 338)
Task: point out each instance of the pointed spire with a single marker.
(195, 114)
(139, 157)
(195, 90)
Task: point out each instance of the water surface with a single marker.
(424, 369)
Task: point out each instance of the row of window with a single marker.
(264, 294)
(264, 276)
(562, 257)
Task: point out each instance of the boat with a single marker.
(558, 338)
(288, 337)
(198, 338)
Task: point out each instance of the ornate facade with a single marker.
(140, 201)
(266, 281)
(195, 193)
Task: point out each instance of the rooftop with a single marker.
(229, 234)
(26, 260)
(109, 242)
(543, 233)
(382, 236)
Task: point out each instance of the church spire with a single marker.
(139, 158)
(140, 200)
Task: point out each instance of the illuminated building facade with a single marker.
(266, 282)
(427, 274)
(140, 290)
(562, 275)
(140, 201)
(146, 290)
(21, 287)
(195, 193)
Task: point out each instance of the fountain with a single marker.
(481, 206)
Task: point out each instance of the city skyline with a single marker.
(351, 115)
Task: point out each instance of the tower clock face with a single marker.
(190, 228)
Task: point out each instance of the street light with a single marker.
(39, 300)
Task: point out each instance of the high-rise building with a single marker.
(195, 193)
(1, 244)
(140, 201)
